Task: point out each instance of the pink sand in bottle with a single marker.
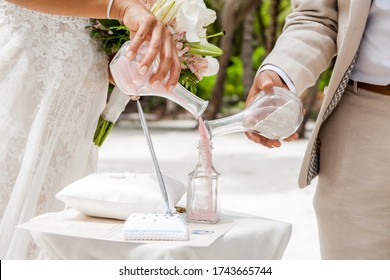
(205, 145)
(209, 213)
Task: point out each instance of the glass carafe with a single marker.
(130, 81)
(203, 204)
(275, 115)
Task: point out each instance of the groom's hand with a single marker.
(144, 26)
(265, 81)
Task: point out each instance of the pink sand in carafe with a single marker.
(127, 76)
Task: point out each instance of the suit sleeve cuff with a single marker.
(281, 74)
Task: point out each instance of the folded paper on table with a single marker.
(118, 195)
(74, 223)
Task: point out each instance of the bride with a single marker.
(53, 84)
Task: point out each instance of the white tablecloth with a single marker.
(75, 236)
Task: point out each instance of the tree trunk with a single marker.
(171, 108)
(272, 32)
(247, 48)
(236, 10)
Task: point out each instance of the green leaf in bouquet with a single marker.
(189, 80)
(110, 33)
(107, 23)
(204, 49)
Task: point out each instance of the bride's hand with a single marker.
(266, 81)
(144, 26)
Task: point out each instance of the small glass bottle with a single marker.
(203, 203)
(276, 115)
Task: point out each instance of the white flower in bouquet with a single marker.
(187, 20)
(194, 18)
(166, 10)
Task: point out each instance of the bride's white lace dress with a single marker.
(53, 84)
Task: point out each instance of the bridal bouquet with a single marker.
(187, 20)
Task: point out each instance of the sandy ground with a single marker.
(255, 179)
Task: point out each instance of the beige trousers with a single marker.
(352, 199)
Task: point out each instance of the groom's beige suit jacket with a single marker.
(315, 32)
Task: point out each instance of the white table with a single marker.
(72, 235)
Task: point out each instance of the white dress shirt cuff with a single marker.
(281, 74)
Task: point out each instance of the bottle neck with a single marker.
(189, 101)
(227, 125)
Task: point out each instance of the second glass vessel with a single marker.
(276, 115)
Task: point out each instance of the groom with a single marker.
(348, 147)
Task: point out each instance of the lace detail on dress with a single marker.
(53, 84)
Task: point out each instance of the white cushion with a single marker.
(118, 195)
